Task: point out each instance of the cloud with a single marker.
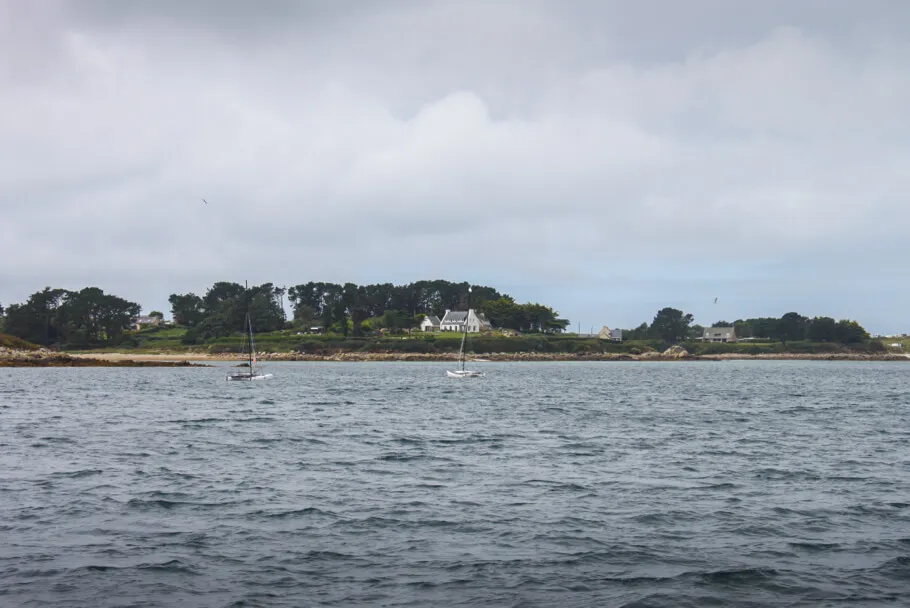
(544, 149)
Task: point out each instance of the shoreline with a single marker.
(48, 358)
(491, 357)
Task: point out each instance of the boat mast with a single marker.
(249, 322)
(464, 335)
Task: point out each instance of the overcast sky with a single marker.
(607, 158)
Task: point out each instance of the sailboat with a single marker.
(463, 373)
(254, 373)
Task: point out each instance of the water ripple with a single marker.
(570, 484)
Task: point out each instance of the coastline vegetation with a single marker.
(331, 318)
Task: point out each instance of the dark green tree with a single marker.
(671, 325)
(822, 329)
(639, 333)
(504, 312)
(850, 332)
(792, 327)
(37, 319)
(186, 309)
(396, 320)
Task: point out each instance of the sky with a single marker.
(603, 157)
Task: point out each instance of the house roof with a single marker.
(455, 316)
(433, 319)
(718, 330)
(461, 316)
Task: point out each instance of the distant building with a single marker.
(719, 334)
(430, 323)
(455, 320)
(146, 320)
(614, 335)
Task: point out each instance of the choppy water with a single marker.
(543, 484)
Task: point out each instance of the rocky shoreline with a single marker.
(46, 358)
(514, 357)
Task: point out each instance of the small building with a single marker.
(719, 334)
(145, 320)
(614, 335)
(455, 320)
(430, 323)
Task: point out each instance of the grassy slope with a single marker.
(8, 341)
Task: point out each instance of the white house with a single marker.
(138, 322)
(719, 334)
(455, 320)
(614, 335)
(430, 323)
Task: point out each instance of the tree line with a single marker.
(673, 326)
(88, 317)
(350, 308)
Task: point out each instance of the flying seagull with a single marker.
(715, 300)
(205, 201)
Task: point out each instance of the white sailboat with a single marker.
(254, 373)
(463, 373)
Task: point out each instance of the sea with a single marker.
(703, 483)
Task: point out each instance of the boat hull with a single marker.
(463, 373)
(248, 377)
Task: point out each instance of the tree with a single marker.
(822, 329)
(396, 320)
(792, 327)
(77, 318)
(743, 329)
(671, 325)
(850, 332)
(639, 333)
(157, 315)
(764, 327)
(37, 319)
(186, 309)
(503, 312)
(305, 316)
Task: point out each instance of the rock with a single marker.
(676, 352)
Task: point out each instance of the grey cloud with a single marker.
(537, 144)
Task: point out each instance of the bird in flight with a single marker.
(205, 201)
(715, 300)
